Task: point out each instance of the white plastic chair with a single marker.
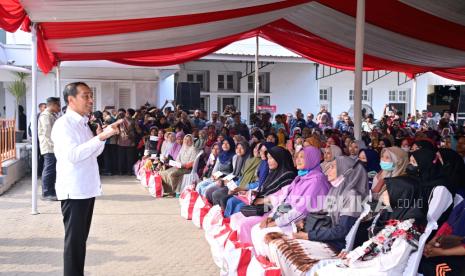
(191, 177)
(350, 238)
(457, 199)
(438, 202)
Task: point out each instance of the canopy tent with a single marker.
(410, 36)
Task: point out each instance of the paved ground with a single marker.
(131, 234)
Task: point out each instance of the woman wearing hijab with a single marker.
(393, 163)
(235, 203)
(210, 164)
(424, 143)
(282, 173)
(388, 251)
(329, 154)
(316, 241)
(453, 168)
(172, 177)
(170, 140)
(355, 147)
(370, 159)
(220, 194)
(425, 168)
(161, 140)
(224, 164)
(174, 152)
(295, 201)
(447, 249)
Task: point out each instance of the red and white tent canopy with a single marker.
(411, 36)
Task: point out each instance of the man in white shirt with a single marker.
(78, 179)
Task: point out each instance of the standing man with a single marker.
(78, 179)
(44, 130)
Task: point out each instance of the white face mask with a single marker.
(338, 181)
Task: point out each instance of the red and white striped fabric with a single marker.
(188, 199)
(155, 185)
(201, 208)
(410, 36)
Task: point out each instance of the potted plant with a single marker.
(18, 89)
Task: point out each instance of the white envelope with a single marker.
(217, 174)
(153, 138)
(231, 185)
(229, 177)
(175, 164)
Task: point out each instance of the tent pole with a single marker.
(256, 77)
(414, 97)
(359, 48)
(58, 79)
(34, 120)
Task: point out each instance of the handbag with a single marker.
(282, 209)
(315, 221)
(254, 210)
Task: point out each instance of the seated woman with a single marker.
(453, 168)
(370, 159)
(295, 201)
(151, 141)
(172, 177)
(329, 154)
(282, 172)
(446, 251)
(324, 236)
(210, 164)
(235, 203)
(393, 163)
(169, 141)
(224, 164)
(175, 149)
(387, 252)
(221, 195)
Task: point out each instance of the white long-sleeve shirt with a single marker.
(76, 151)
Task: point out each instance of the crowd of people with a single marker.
(296, 186)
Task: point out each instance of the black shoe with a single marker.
(49, 198)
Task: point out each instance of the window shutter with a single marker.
(124, 98)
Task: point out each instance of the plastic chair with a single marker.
(439, 202)
(191, 177)
(350, 238)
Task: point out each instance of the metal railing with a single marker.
(7, 140)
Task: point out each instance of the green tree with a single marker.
(18, 88)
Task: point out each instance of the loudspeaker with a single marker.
(188, 95)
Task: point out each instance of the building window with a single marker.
(392, 95)
(402, 96)
(199, 77)
(227, 81)
(263, 82)
(124, 98)
(365, 95)
(261, 101)
(323, 94)
(205, 104)
(223, 101)
(94, 96)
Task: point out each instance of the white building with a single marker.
(226, 77)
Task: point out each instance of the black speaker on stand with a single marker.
(188, 95)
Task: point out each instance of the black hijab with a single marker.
(453, 168)
(283, 175)
(406, 201)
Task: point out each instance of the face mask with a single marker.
(338, 181)
(412, 170)
(406, 149)
(302, 172)
(386, 166)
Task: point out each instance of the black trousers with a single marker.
(126, 159)
(77, 217)
(444, 265)
(110, 159)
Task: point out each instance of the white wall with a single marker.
(165, 90)
(291, 84)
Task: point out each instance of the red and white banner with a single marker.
(409, 36)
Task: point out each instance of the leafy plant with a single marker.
(18, 88)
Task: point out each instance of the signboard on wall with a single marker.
(269, 108)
